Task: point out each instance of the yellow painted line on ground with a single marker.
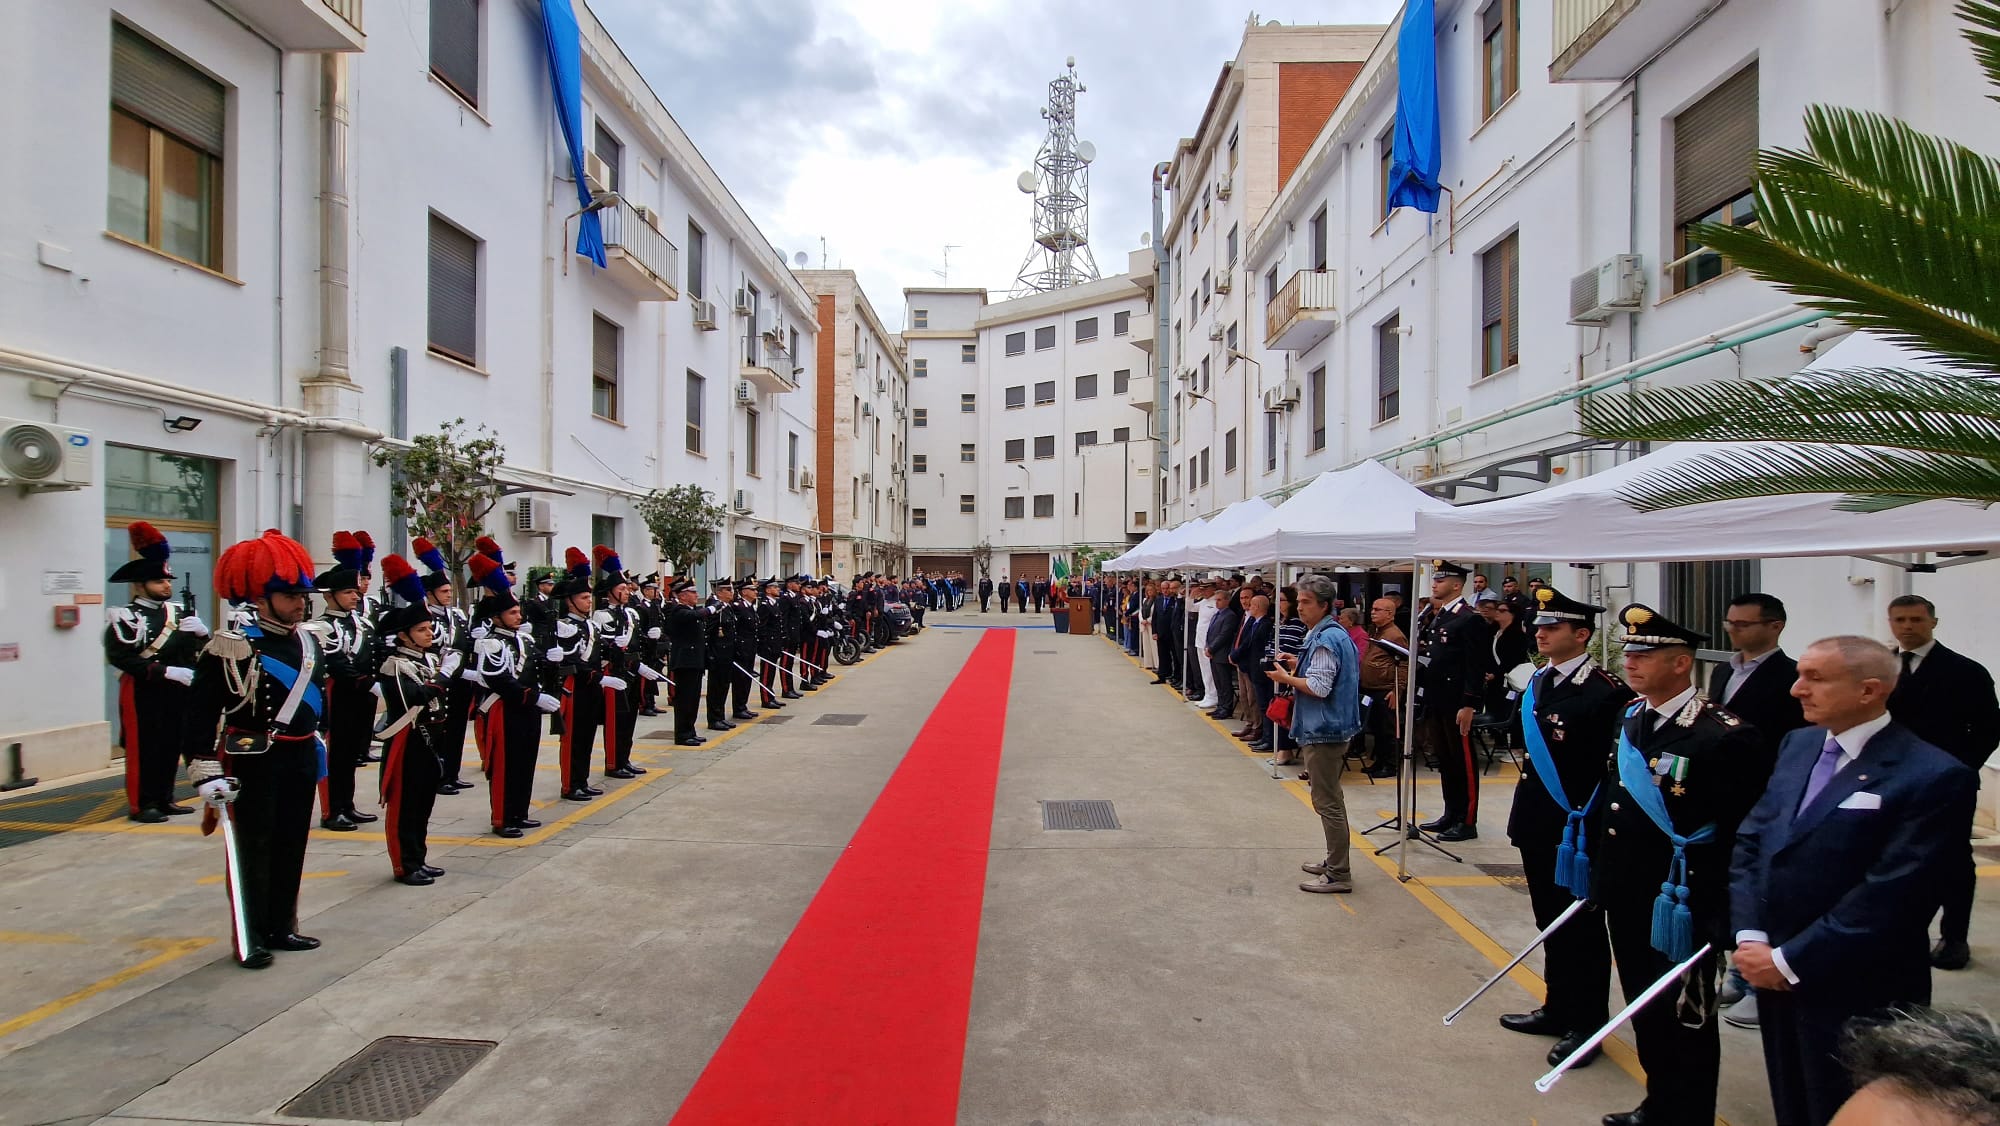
(1988, 869)
(306, 876)
(30, 938)
(1479, 881)
(170, 950)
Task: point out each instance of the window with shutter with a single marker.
(1045, 392)
(967, 504)
(1014, 508)
(696, 390)
(1017, 343)
(1086, 330)
(1017, 449)
(1500, 53)
(697, 259)
(1715, 162)
(1085, 438)
(1045, 446)
(455, 46)
(1121, 324)
(1121, 381)
(1045, 338)
(1316, 395)
(920, 463)
(1045, 506)
(1086, 386)
(750, 428)
(1388, 369)
(604, 350)
(1017, 396)
(454, 292)
(167, 122)
(1500, 305)
(611, 151)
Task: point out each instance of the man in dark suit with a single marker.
(985, 593)
(1454, 646)
(1838, 869)
(1946, 699)
(1247, 655)
(1222, 629)
(1006, 593)
(1166, 631)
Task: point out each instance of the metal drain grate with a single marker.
(1091, 814)
(394, 1078)
(837, 719)
(1511, 875)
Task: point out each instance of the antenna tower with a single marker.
(1060, 183)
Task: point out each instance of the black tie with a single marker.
(1909, 662)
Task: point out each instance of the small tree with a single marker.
(444, 486)
(683, 521)
(982, 558)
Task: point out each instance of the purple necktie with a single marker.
(1822, 771)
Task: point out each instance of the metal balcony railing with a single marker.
(1308, 291)
(1573, 18)
(349, 10)
(630, 233)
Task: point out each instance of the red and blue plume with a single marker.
(608, 562)
(487, 572)
(147, 542)
(485, 545)
(427, 553)
(271, 563)
(577, 564)
(402, 578)
(347, 550)
(367, 543)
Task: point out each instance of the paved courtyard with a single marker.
(851, 913)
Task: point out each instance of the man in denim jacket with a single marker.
(1326, 715)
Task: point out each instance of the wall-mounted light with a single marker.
(181, 424)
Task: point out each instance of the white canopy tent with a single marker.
(1364, 512)
(1159, 543)
(1117, 562)
(1225, 525)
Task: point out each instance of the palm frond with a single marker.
(1932, 412)
(1984, 35)
(1871, 479)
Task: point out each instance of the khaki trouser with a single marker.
(1324, 762)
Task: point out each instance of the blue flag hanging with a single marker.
(1413, 159)
(560, 34)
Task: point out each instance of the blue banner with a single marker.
(566, 77)
(1414, 160)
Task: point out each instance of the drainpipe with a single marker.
(1162, 342)
(329, 467)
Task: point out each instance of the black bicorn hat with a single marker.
(1554, 608)
(1647, 629)
(151, 552)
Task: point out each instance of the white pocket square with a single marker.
(1862, 800)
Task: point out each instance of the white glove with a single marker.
(653, 634)
(203, 770)
(218, 791)
(178, 674)
(473, 676)
(651, 673)
(194, 625)
(565, 628)
(554, 654)
(452, 662)
(547, 703)
(613, 683)
(375, 690)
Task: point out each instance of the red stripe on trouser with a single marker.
(128, 737)
(496, 786)
(1471, 782)
(569, 724)
(479, 738)
(610, 729)
(862, 1016)
(392, 797)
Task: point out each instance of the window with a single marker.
(1270, 285)
(752, 354)
(1178, 347)
(1385, 160)
(750, 421)
(455, 46)
(920, 463)
(1204, 205)
(1207, 279)
(1045, 392)
(1316, 231)
(793, 346)
(1316, 391)
(1271, 442)
(1229, 451)
(1045, 446)
(1232, 150)
(965, 504)
(1017, 343)
(856, 416)
(1121, 381)
(1045, 338)
(1085, 438)
(1139, 518)
(1177, 273)
(1017, 396)
(1204, 465)
(604, 530)
(1121, 324)
(1715, 154)
(166, 151)
(1045, 506)
(611, 151)
(1388, 369)
(854, 497)
(1086, 386)
(1499, 54)
(1194, 473)
(968, 353)
(965, 451)
(1229, 258)
(454, 292)
(1500, 306)
(1204, 375)
(920, 369)
(1698, 594)
(604, 355)
(1122, 434)
(1014, 508)
(920, 318)
(1017, 449)
(696, 397)
(1229, 339)
(920, 417)
(968, 403)
(697, 259)
(1086, 330)
(792, 461)
(920, 517)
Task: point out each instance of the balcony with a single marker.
(1142, 387)
(638, 257)
(765, 366)
(303, 25)
(1141, 265)
(1302, 313)
(1608, 40)
(1143, 328)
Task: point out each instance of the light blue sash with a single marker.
(1673, 922)
(1572, 856)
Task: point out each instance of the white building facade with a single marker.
(308, 243)
(863, 420)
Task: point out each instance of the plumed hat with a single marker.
(610, 569)
(433, 560)
(273, 563)
(402, 578)
(347, 550)
(487, 546)
(489, 574)
(152, 550)
(367, 543)
(576, 574)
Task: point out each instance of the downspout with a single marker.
(321, 450)
(1162, 343)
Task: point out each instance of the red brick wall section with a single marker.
(1307, 93)
(823, 436)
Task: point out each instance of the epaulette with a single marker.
(318, 627)
(229, 645)
(1724, 716)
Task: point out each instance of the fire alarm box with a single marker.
(66, 617)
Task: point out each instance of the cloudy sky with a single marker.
(891, 129)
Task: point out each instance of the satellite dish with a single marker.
(1026, 182)
(1145, 238)
(799, 259)
(1072, 62)
(1085, 151)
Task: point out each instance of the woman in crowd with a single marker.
(1149, 649)
(1512, 646)
(1289, 637)
(1350, 619)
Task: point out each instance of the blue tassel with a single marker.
(1681, 941)
(1579, 885)
(1663, 918)
(1565, 861)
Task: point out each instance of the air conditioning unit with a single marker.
(1224, 185)
(742, 505)
(742, 302)
(40, 457)
(899, 410)
(704, 314)
(867, 478)
(805, 478)
(744, 392)
(881, 385)
(1185, 375)
(892, 494)
(868, 410)
(596, 172)
(1289, 392)
(1215, 332)
(1614, 285)
(647, 216)
(534, 516)
(1223, 282)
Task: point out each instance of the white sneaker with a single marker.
(1743, 1014)
(1204, 705)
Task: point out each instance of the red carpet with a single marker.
(861, 1019)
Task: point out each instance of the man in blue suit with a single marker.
(1838, 869)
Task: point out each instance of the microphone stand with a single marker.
(1407, 830)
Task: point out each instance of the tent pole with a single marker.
(1420, 580)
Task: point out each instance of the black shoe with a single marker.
(793, 696)
(1951, 954)
(745, 714)
(257, 960)
(173, 809)
(718, 725)
(148, 816)
(433, 871)
(635, 769)
(292, 942)
(360, 818)
(593, 791)
(508, 831)
(688, 741)
(458, 783)
(416, 879)
(649, 711)
(1536, 1023)
(1438, 824)
(525, 823)
(577, 795)
(337, 823)
(1568, 1045)
(447, 790)
(1159, 680)
(1634, 1117)
(1386, 770)
(1260, 745)
(621, 772)
(1459, 833)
